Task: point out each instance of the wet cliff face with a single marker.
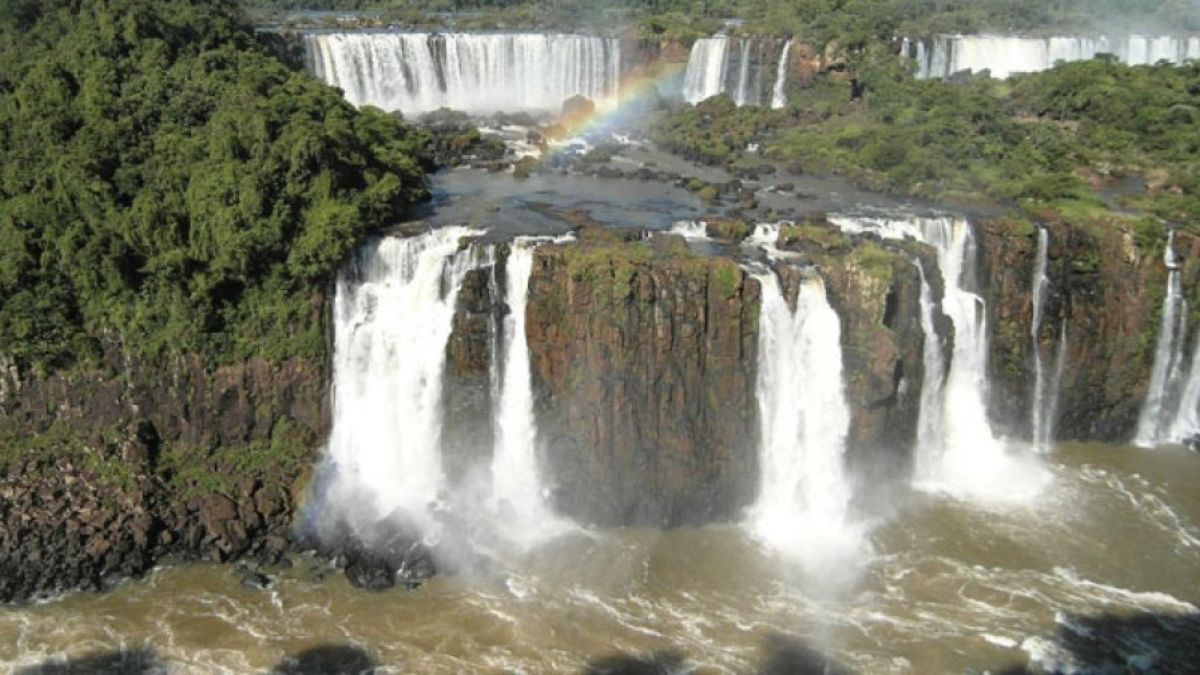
(1107, 282)
(875, 287)
(643, 361)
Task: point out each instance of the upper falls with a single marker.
(473, 72)
(1005, 55)
(742, 68)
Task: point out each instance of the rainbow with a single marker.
(635, 88)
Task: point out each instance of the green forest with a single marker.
(168, 186)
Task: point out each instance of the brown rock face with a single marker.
(1107, 283)
(643, 366)
(189, 459)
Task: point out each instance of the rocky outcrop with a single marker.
(643, 361)
(875, 287)
(1107, 285)
(104, 471)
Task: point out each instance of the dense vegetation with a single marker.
(815, 20)
(166, 186)
(1044, 139)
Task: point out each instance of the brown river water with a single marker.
(1100, 574)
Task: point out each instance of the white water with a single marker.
(391, 323)
(1156, 422)
(964, 457)
(690, 229)
(804, 493)
(1186, 424)
(518, 491)
(929, 424)
(779, 93)
(1042, 425)
(743, 85)
(705, 76)
(1006, 55)
(479, 73)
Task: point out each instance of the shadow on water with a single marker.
(122, 662)
(327, 660)
(783, 655)
(1165, 644)
(322, 660)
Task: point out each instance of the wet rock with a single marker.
(255, 580)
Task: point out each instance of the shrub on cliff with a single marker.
(167, 186)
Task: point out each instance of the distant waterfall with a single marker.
(804, 492)
(705, 75)
(392, 318)
(479, 73)
(517, 487)
(690, 229)
(725, 65)
(964, 456)
(1005, 55)
(779, 93)
(1162, 397)
(1044, 392)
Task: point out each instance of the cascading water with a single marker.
(479, 73)
(1040, 413)
(1005, 55)
(929, 424)
(779, 93)
(964, 457)
(690, 229)
(1162, 397)
(743, 85)
(517, 489)
(804, 493)
(392, 318)
(705, 75)
(1186, 425)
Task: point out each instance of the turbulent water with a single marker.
(473, 72)
(1005, 55)
(804, 493)
(1100, 571)
(737, 67)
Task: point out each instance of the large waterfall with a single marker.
(804, 493)
(959, 453)
(474, 72)
(1168, 414)
(392, 318)
(1005, 55)
(517, 486)
(737, 67)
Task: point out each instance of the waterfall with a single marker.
(1042, 425)
(478, 73)
(690, 229)
(1006, 55)
(517, 489)
(779, 94)
(964, 457)
(1186, 425)
(1155, 421)
(392, 318)
(743, 84)
(929, 424)
(705, 75)
(804, 493)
